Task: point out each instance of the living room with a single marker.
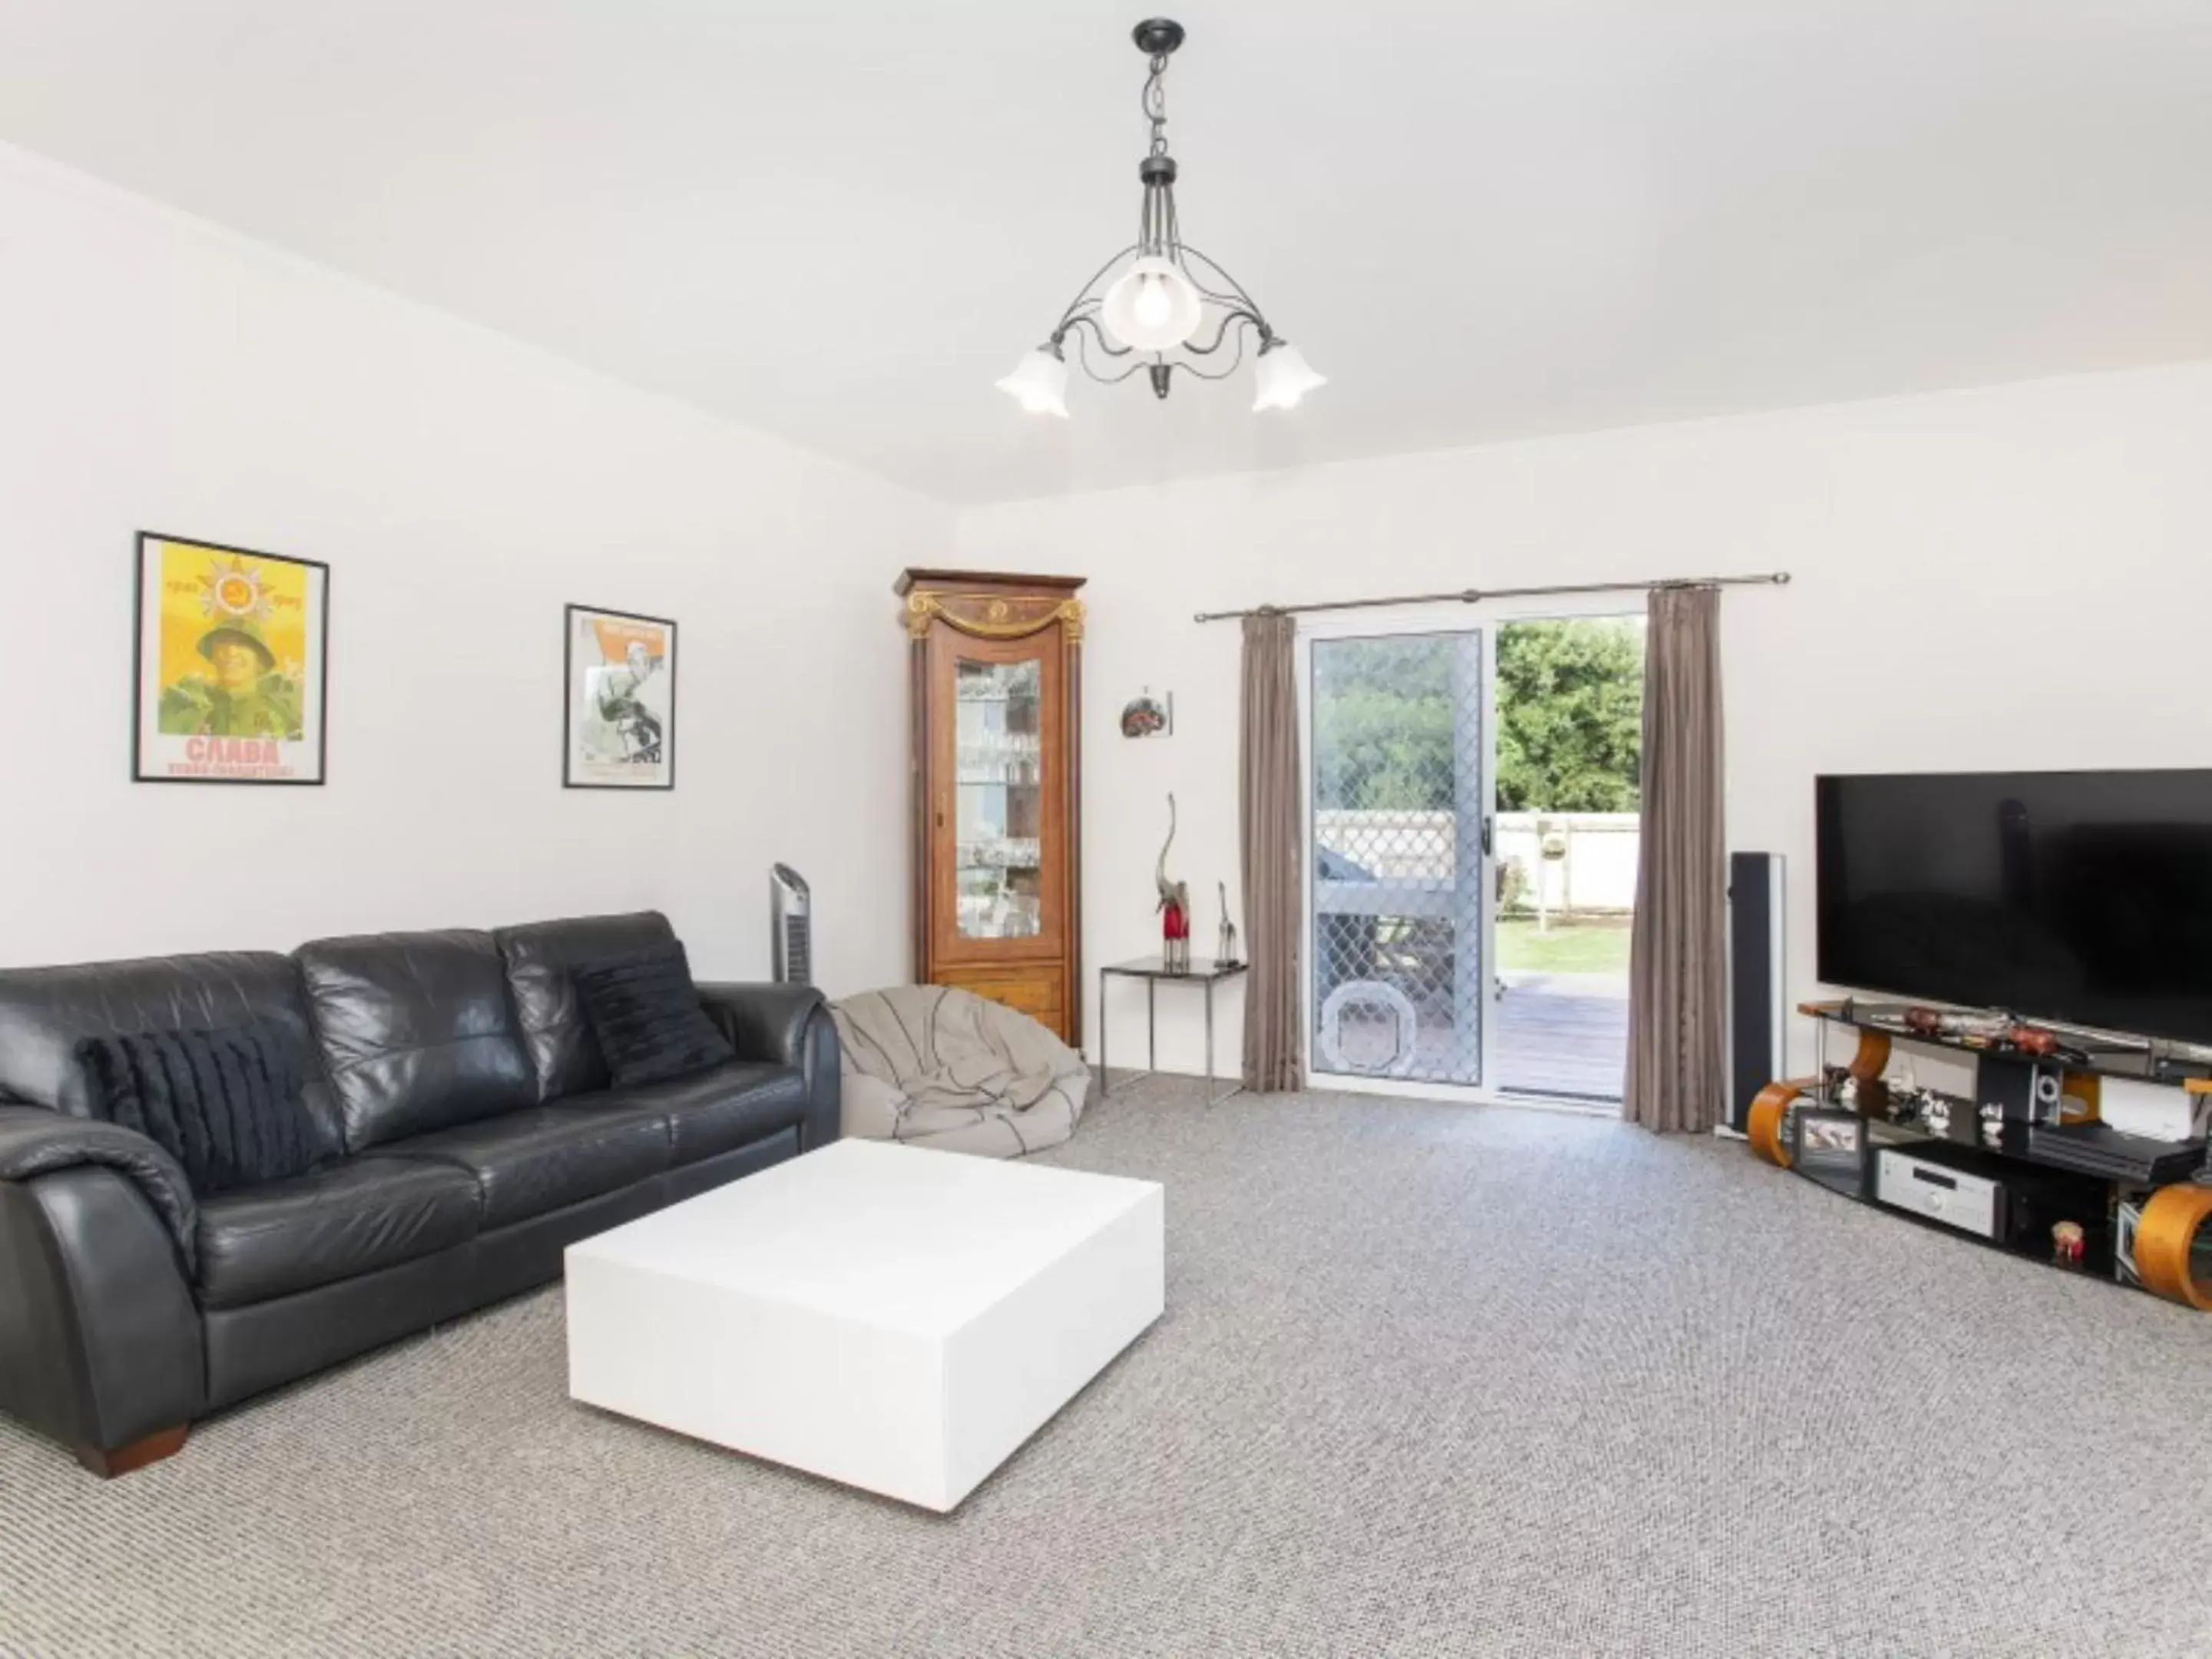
(495, 350)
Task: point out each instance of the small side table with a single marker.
(1153, 970)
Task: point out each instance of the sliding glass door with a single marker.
(1475, 798)
(1400, 870)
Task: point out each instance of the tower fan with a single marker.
(790, 943)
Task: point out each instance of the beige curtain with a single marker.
(1677, 986)
(1274, 834)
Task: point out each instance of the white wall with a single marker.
(156, 373)
(2019, 577)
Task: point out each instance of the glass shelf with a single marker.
(2080, 1051)
(998, 766)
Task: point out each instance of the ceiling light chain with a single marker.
(1157, 307)
(1156, 102)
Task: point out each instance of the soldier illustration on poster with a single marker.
(620, 727)
(230, 665)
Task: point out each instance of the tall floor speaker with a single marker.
(1756, 1015)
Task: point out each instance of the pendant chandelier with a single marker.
(1159, 305)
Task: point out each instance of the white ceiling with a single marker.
(841, 220)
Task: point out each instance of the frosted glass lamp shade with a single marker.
(1153, 307)
(1039, 384)
(1282, 377)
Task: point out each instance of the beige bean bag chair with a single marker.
(944, 1067)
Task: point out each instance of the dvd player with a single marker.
(1988, 1197)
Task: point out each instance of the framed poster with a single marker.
(230, 667)
(618, 727)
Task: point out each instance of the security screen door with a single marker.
(1401, 864)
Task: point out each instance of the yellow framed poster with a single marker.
(230, 670)
(618, 726)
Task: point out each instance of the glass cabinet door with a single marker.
(999, 783)
(997, 849)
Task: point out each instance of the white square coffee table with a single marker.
(897, 1319)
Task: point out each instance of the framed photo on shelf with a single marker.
(1831, 1146)
(230, 665)
(618, 720)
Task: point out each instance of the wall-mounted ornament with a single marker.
(1147, 716)
(1173, 907)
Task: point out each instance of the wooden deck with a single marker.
(1561, 1034)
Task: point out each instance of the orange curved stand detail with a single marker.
(2170, 1223)
(1873, 1053)
(1762, 1127)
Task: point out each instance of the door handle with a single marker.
(1486, 847)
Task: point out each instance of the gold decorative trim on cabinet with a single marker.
(994, 616)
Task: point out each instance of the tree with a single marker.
(1568, 701)
(1383, 730)
(1569, 711)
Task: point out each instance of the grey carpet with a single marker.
(1432, 1380)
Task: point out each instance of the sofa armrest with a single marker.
(787, 1025)
(764, 1022)
(101, 1344)
(34, 1141)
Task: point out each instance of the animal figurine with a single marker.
(1173, 907)
(1224, 950)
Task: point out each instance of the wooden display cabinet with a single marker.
(997, 787)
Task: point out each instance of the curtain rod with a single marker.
(1476, 595)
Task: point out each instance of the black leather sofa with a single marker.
(466, 1134)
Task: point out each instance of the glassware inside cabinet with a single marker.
(998, 771)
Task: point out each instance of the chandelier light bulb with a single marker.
(1154, 308)
(1282, 377)
(1039, 383)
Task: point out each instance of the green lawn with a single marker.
(1586, 948)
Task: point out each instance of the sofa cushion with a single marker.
(45, 1012)
(646, 1015)
(416, 1031)
(546, 1158)
(541, 957)
(335, 1223)
(717, 1110)
(225, 1104)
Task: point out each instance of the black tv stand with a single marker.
(2021, 1145)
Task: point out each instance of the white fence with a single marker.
(1592, 873)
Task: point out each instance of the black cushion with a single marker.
(337, 1223)
(224, 1103)
(645, 1013)
(45, 1012)
(716, 1110)
(541, 960)
(546, 1158)
(416, 1031)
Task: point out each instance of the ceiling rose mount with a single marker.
(1155, 37)
(1160, 304)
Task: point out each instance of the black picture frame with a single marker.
(321, 635)
(1831, 1146)
(569, 613)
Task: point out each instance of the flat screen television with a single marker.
(2083, 897)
